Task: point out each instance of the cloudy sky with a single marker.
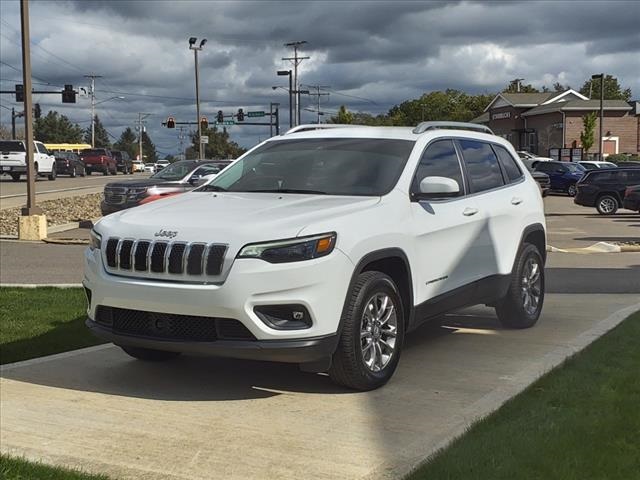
(371, 55)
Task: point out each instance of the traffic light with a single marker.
(220, 117)
(19, 93)
(37, 111)
(240, 115)
(171, 123)
(68, 94)
(204, 123)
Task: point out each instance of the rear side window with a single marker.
(482, 165)
(509, 165)
(439, 160)
(9, 146)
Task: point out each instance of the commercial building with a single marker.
(542, 123)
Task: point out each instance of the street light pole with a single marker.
(93, 107)
(296, 61)
(192, 46)
(288, 73)
(601, 77)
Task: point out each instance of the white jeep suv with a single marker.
(324, 247)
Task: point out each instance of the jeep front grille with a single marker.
(176, 259)
(115, 195)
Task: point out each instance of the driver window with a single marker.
(439, 160)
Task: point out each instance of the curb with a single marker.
(420, 454)
(66, 241)
(600, 247)
(40, 285)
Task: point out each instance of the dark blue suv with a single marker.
(563, 175)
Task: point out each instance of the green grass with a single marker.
(581, 421)
(12, 468)
(42, 321)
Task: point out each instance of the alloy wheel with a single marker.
(607, 205)
(531, 285)
(378, 332)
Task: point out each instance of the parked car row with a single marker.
(607, 189)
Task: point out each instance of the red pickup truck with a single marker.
(99, 160)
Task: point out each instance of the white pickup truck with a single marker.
(13, 160)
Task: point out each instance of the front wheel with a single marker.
(607, 205)
(52, 175)
(372, 334)
(15, 177)
(148, 354)
(572, 190)
(521, 306)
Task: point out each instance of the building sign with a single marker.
(500, 116)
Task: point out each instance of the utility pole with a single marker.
(14, 115)
(192, 46)
(141, 117)
(93, 107)
(318, 94)
(296, 60)
(181, 137)
(31, 208)
(601, 77)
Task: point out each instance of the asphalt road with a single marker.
(14, 194)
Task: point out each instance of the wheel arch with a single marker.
(611, 193)
(394, 263)
(535, 235)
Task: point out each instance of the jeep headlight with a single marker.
(292, 250)
(94, 240)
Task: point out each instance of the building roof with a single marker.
(484, 118)
(578, 105)
(532, 99)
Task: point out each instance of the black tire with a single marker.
(83, 172)
(53, 174)
(15, 177)
(148, 354)
(512, 309)
(87, 171)
(607, 205)
(348, 366)
(572, 190)
(105, 171)
(73, 172)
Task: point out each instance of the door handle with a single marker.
(469, 211)
(516, 201)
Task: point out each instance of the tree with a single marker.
(588, 126)
(149, 153)
(56, 128)
(344, 117)
(612, 89)
(220, 146)
(128, 142)
(101, 135)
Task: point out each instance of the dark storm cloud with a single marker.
(380, 52)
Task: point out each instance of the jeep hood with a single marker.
(229, 217)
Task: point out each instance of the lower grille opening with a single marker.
(167, 326)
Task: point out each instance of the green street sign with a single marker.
(226, 122)
(255, 114)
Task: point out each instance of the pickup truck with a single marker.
(99, 160)
(13, 160)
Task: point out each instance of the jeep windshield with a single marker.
(332, 166)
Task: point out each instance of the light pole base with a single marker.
(32, 227)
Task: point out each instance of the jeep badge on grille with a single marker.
(166, 233)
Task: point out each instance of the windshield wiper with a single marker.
(210, 188)
(289, 190)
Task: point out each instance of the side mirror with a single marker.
(438, 187)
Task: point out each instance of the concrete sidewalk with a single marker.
(204, 418)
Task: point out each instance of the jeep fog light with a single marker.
(284, 317)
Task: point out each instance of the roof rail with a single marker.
(319, 126)
(425, 126)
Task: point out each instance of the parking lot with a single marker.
(216, 418)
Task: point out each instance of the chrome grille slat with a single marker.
(183, 261)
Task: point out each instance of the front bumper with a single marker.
(107, 208)
(290, 351)
(320, 285)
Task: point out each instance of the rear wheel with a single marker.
(87, 171)
(572, 190)
(83, 171)
(372, 334)
(521, 306)
(105, 171)
(53, 174)
(607, 205)
(15, 177)
(148, 354)
(73, 172)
